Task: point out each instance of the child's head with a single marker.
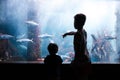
(52, 48)
(79, 21)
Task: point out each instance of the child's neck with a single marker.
(79, 30)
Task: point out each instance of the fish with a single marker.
(51, 41)
(32, 23)
(24, 40)
(110, 37)
(44, 36)
(5, 36)
(64, 56)
(24, 47)
(21, 36)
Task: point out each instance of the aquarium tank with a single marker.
(28, 26)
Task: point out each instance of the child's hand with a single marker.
(64, 35)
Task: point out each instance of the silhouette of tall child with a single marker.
(81, 61)
(53, 62)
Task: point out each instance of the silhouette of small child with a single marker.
(53, 62)
(81, 59)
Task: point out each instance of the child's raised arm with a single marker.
(68, 33)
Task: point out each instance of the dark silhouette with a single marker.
(81, 62)
(53, 63)
(3, 49)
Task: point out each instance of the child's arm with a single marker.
(68, 33)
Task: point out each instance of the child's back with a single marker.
(53, 62)
(53, 59)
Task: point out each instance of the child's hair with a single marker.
(79, 20)
(52, 48)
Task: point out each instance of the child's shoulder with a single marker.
(84, 31)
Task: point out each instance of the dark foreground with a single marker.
(36, 70)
